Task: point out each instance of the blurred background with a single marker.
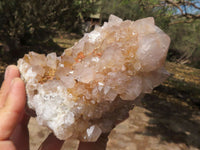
(169, 118)
(29, 24)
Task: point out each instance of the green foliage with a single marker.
(185, 40)
(122, 8)
(185, 46)
(28, 22)
(134, 9)
(31, 22)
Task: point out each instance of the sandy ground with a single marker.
(38, 134)
(156, 123)
(152, 125)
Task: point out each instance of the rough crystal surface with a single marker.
(78, 94)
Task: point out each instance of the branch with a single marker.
(190, 4)
(184, 13)
(181, 21)
(174, 4)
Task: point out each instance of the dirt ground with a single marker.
(167, 119)
(153, 125)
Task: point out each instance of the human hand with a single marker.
(12, 118)
(14, 133)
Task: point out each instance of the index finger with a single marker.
(11, 113)
(11, 72)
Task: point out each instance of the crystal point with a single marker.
(78, 94)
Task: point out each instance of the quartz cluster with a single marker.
(77, 94)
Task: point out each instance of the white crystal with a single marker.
(114, 19)
(77, 95)
(93, 133)
(93, 36)
(68, 81)
(52, 60)
(100, 83)
(95, 59)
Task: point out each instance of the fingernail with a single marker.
(12, 82)
(6, 73)
(13, 85)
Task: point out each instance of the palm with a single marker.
(14, 133)
(13, 120)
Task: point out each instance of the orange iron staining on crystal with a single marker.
(77, 94)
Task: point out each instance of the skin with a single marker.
(14, 134)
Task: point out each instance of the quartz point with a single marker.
(81, 93)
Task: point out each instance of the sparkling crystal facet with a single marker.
(77, 94)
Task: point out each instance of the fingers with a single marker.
(13, 108)
(11, 72)
(51, 143)
(7, 145)
(12, 102)
(16, 97)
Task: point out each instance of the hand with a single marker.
(12, 118)
(14, 133)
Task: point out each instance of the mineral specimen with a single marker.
(77, 94)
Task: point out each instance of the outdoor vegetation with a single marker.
(27, 23)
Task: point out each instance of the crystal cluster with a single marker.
(77, 94)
